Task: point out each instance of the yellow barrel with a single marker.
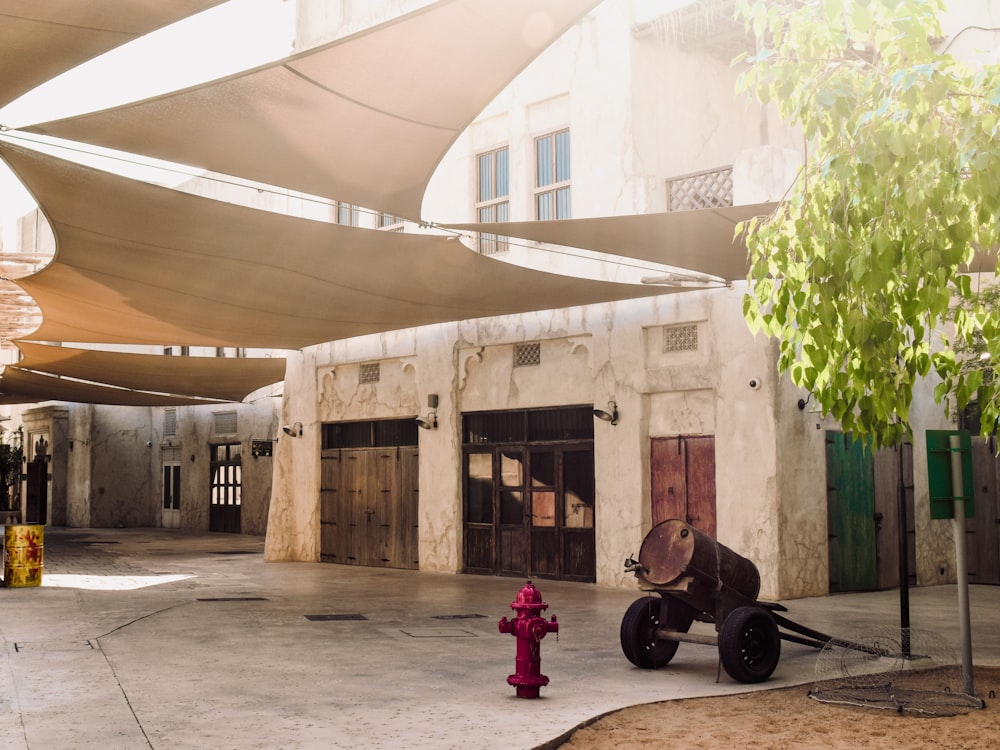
(23, 555)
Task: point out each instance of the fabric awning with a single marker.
(25, 387)
(142, 264)
(42, 38)
(364, 119)
(701, 240)
(223, 378)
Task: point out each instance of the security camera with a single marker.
(149, 443)
(293, 430)
(754, 384)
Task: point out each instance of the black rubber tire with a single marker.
(639, 625)
(749, 644)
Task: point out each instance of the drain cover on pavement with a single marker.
(50, 646)
(458, 617)
(437, 633)
(330, 618)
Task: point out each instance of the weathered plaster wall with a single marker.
(293, 516)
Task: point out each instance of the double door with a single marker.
(529, 510)
(682, 480)
(368, 507)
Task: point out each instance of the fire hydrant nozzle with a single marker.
(529, 627)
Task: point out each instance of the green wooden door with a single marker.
(851, 514)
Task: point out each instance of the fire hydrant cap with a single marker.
(528, 598)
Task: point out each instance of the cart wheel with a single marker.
(749, 644)
(639, 625)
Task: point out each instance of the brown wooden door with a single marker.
(682, 480)
(405, 551)
(334, 532)
(513, 529)
(887, 465)
(368, 507)
(983, 529)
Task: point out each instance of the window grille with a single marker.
(528, 425)
(225, 422)
(709, 189)
(370, 373)
(527, 355)
(552, 172)
(384, 433)
(492, 204)
(171, 454)
(170, 421)
(680, 338)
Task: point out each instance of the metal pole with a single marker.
(962, 572)
(904, 560)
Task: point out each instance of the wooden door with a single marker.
(682, 480)
(850, 514)
(578, 505)
(983, 529)
(542, 493)
(513, 530)
(333, 530)
(368, 507)
(889, 483)
(405, 551)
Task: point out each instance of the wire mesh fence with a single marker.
(894, 669)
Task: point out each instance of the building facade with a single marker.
(543, 444)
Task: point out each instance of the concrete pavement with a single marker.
(170, 639)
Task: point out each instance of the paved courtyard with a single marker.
(170, 639)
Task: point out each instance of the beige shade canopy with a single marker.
(702, 240)
(19, 386)
(364, 119)
(141, 264)
(42, 38)
(227, 379)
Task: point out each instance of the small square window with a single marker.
(681, 338)
(527, 355)
(370, 373)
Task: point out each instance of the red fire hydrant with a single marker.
(529, 627)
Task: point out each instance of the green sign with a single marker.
(939, 478)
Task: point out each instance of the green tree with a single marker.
(856, 272)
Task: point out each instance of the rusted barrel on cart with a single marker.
(693, 566)
(23, 555)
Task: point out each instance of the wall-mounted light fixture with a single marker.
(430, 422)
(611, 415)
(293, 430)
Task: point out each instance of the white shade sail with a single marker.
(364, 119)
(142, 264)
(40, 39)
(702, 240)
(19, 386)
(223, 378)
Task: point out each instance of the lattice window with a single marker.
(682, 338)
(170, 421)
(225, 422)
(370, 373)
(527, 355)
(709, 189)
